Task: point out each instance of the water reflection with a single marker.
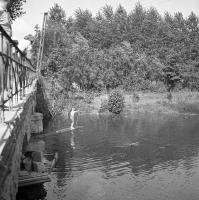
(140, 156)
(72, 140)
(32, 193)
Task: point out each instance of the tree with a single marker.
(83, 20)
(30, 38)
(15, 8)
(136, 19)
(57, 14)
(140, 51)
(120, 26)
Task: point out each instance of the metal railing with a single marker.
(16, 73)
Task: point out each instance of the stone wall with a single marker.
(10, 165)
(13, 149)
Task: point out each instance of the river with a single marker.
(130, 157)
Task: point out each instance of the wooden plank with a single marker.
(57, 132)
(35, 182)
(32, 178)
(68, 129)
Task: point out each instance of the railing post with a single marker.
(24, 77)
(20, 78)
(17, 76)
(2, 74)
(11, 77)
(14, 73)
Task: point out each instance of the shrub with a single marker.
(116, 102)
(58, 104)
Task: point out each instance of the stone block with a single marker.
(37, 123)
(27, 164)
(38, 167)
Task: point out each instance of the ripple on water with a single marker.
(99, 165)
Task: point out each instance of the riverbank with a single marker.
(180, 103)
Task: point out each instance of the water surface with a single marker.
(132, 157)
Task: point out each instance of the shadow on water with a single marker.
(32, 193)
(141, 156)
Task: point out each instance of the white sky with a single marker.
(35, 9)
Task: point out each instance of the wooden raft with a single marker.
(32, 178)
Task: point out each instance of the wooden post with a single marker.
(41, 46)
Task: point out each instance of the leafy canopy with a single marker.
(16, 8)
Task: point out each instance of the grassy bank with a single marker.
(89, 102)
(181, 102)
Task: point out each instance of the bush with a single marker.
(116, 102)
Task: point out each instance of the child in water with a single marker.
(73, 117)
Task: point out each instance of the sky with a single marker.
(35, 8)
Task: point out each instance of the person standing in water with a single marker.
(73, 114)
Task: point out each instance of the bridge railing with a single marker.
(16, 73)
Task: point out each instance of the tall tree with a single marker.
(57, 14)
(16, 8)
(83, 20)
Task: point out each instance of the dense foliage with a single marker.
(141, 50)
(116, 102)
(16, 8)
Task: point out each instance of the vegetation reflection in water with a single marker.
(142, 157)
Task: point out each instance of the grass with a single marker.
(186, 102)
(183, 107)
(181, 102)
